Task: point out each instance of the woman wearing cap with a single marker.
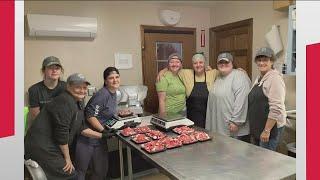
(171, 91)
(100, 108)
(50, 137)
(196, 82)
(51, 86)
(228, 100)
(266, 111)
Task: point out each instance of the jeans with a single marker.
(272, 144)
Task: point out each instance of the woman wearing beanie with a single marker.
(171, 91)
(100, 108)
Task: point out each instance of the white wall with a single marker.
(118, 31)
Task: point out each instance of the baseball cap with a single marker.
(225, 56)
(174, 54)
(265, 51)
(77, 78)
(51, 60)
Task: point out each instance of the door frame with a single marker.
(165, 30)
(212, 43)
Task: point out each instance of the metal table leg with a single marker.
(129, 161)
(121, 160)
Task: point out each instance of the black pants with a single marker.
(245, 138)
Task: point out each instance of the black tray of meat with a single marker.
(201, 136)
(155, 134)
(153, 147)
(170, 142)
(125, 113)
(142, 129)
(183, 130)
(187, 139)
(127, 132)
(140, 138)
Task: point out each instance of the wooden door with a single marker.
(235, 38)
(157, 44)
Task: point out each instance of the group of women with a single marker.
(65, 137)
(222, 100)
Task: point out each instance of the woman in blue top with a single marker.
(100, 108)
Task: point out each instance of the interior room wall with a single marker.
(118, 31)
(264, 16)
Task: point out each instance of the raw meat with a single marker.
(155, 134)
(140, 138)
(183, 130)
(153, 147)
(124, 113)
(128, 132)
(143, 129)
(170, 142)
(201, 136)
(187, 139)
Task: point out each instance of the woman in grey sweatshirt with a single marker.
(228, 101)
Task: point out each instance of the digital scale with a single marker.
(169, 121)
(117, 122)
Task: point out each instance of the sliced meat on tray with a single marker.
(183, 130)
(155, 134)
(201, 136)
(187, 139)
(125, 113)
(170, 142)
(128, 131)
(153, 147)
(142, 129)
(140, 138)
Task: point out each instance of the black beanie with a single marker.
(109, 71)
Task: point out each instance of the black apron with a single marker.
(197, 102)
(258, 110)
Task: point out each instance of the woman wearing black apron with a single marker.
(196, 89)
(197, 102)
(266, 111)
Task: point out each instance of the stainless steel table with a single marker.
(221, 158)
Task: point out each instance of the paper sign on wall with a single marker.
(123, 61)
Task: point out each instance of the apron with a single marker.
(197, 102)
(258, 110)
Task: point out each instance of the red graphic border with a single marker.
(7, 71)
(312, 114)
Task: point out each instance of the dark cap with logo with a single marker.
(51, 60)
(77, 78)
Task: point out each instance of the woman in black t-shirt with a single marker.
(51, 86)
